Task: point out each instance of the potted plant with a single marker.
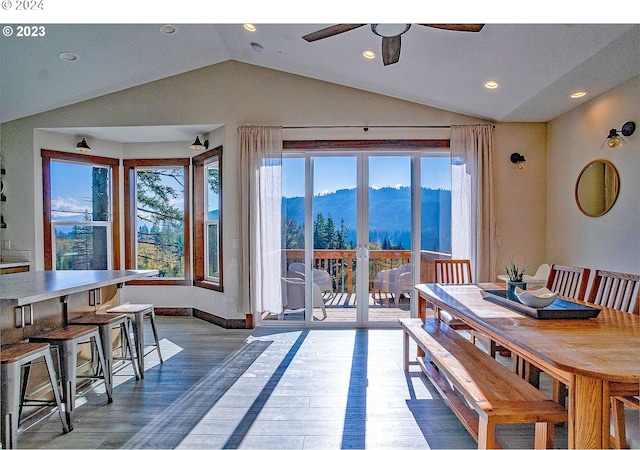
(515, 273)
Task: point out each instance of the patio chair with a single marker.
(322, 278)
(396, 281)
(293, 296)
(539, 278)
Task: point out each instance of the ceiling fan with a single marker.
(390, 34)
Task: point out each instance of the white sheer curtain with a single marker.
(472, 204)
(260, 219)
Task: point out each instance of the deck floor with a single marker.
(341, 308)
(269, 388)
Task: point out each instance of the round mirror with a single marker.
(597, 188)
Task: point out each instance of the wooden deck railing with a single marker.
(341, 264)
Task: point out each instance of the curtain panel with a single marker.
(260, 255)
(473, 220)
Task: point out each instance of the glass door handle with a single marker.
(362, 252)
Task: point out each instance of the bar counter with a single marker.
(36, 301)
(20, 289)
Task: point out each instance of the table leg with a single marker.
(405, 350)
(589, 413)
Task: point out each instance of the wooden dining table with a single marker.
(595, 358)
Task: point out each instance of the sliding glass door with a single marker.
(389, 237)
(352, 234)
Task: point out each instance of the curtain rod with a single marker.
(365, 127)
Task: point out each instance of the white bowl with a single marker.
(538, 298)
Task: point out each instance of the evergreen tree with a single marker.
(330, 233)
(162, 246)
(82, 245)
(293, 235)
(213, 178)
(342, 235)
(319, 232)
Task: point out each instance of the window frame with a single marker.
(200, 278)
(114, 236)
(130, 232)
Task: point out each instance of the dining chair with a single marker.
(568, 281)
(452, 271)
(618, 291)
(458, 271)
(615, 290)
(455, 271)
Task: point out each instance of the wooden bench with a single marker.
(492, 393)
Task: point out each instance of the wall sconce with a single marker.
(518, 159)
(614, 140)
(197, 145)
(83, 146)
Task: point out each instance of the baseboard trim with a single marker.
(208, 317)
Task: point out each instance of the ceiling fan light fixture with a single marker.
(369, 54)
(492, 84)
(390, 29)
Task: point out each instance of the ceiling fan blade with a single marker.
(471, 27)
(390, 50)
(331, 31)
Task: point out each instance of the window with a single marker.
(207, 173)
(80, 206)
(157, 218)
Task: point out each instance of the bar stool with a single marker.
(66, 340)
(106, 323)
(14, 357)
(137, 313)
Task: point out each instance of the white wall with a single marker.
(520, 195)
(611, 241)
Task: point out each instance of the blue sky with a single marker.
(340, 173)
(71, 183)
(70, 190)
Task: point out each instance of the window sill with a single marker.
(159, 282)
(208, 285)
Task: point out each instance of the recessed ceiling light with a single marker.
(257, 47)
(168, 29)
(250, 27)
(369, 54)
(68, 56)
(579, 94)
(492, 84)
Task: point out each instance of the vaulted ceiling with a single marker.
(538, 65)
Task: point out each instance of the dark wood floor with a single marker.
(269, 388)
